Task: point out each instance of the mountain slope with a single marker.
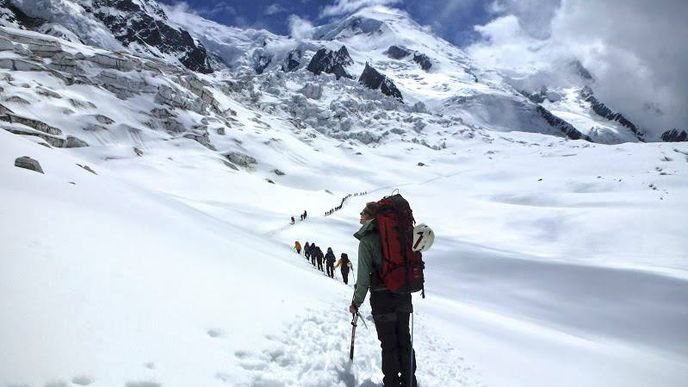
(154, 248)
(137, 25)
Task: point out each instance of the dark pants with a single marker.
(330, 269)
(320, 267)
(345, 276)
(391, 313)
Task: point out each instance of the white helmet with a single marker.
(423, 237)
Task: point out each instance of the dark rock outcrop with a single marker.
(241, 159)
(292, 61)
(399, 52)
(423, 61)
(674, 135)
(538, 97)
(579, 69)
(10, 14)
(331, 62)
(396, 52)
(261, 61)
(373, 79)
(130, 23)
(75, 142)
(569, 130)
(603, 111)
(27, 162)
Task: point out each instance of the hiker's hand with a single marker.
(353, 309)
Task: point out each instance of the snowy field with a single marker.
(168, 261)
(556, 263)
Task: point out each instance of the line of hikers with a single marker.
(339, 207)
(302, 217)
(315, 254)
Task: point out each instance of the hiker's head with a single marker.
(368, 212)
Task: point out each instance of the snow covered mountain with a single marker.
(152, 248)
(139, 26)
(418, 65)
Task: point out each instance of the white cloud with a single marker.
(534, 16)
(274, 9)
(635, 49)
(300, 28)
(342, 7)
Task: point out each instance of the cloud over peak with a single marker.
(342, 7)
(635, 50)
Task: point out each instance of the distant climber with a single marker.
(314, 253)
(329, 262)
(307, 250)
(297, 247)
(319, 258)
(345, 265)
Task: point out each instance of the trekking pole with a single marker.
(410, 371)
(353, 335)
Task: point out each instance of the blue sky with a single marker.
(453, 20)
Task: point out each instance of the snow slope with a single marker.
(556, 262)
(152, 271)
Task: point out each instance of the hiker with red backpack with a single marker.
(390, 265)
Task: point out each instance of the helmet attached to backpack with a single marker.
(423, 237)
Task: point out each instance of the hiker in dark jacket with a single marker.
(345, 265)
(306, 250)
(319, 257)
(314, 253)
(391, 311)
(329, 262)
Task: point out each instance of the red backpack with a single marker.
(402, 268)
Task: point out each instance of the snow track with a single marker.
(313, 351)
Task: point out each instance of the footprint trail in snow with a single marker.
(314, 352)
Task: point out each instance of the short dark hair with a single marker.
(371, 209)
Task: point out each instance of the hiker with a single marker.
(345, 265)
(391, 311)
(319, 258)
(297, 247)
(307, 250)
(329, 262)
(293, 220)
(314, 253)
(305, 214)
